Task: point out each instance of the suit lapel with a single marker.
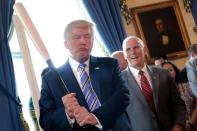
(95, 75)
(154, 78)
(71, 82)
(134, 87)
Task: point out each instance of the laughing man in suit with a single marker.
(158, 108)
(99, 102)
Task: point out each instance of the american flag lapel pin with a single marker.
(154, 77)
(97, 68)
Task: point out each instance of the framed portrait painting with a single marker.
(162, 29)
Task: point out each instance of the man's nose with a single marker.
(132, 50)
(83, 40)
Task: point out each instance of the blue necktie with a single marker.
(90, 96)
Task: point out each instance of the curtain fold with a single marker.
(9, 111)
(194, 10)
(107, 17)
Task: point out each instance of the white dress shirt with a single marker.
(137, 76)
(74, 66)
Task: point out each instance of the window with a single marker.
(50, 19)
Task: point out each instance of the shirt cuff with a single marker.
(98, 125)
(70, 121)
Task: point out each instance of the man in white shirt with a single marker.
(155, 104)
(97, 95)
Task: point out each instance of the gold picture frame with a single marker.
(147, 19)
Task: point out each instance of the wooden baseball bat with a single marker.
(35, 37)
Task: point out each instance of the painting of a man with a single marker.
(166, 41)
(161, 31)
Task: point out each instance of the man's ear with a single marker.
(66, 44)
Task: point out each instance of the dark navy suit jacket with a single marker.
(107, 82)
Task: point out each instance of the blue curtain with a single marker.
(107, 17)
(9, 111)
(194, 10)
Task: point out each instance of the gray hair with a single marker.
(77, 24)
(192, 49)
(116, 52)
(130, 38)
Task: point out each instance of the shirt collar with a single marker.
(136, 71)
(75, 64)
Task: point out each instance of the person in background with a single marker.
(191, 68)
(120, 57)
(160, 59)
(97, 95)
(155, 104)
(183, 88)
(183, 74)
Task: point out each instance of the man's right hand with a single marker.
(84, 117)
(70, 103)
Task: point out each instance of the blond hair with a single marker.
(77, 24)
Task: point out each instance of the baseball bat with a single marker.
(37, 41)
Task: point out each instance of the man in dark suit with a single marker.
(98, 96)
(155, 104)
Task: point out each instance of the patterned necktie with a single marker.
(87, 89)
(147, 90)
